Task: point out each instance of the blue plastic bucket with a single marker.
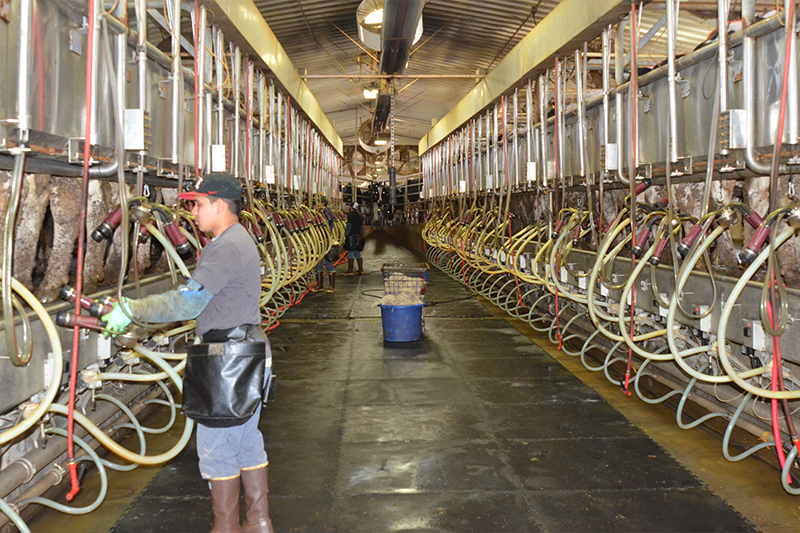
(402, 323)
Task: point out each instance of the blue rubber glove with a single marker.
(117, 321)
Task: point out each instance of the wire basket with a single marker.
(405, 280)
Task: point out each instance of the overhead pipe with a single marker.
(582, 75)
(306, 156)
(504, 183)
(619, 76)
(488, 170)
(749, 74)
(793, 98)
(604, 166)
(562, 137)
(634, 94)
(199, 86)
(24, 74)
(529, 125)
(758, 29)
(543, 98)
(262, 124)
(606, 90)
(248, 148)
(479, 153)
(272, 137)
(474, 155)
(289, 131)
(219, 53)
(177, 82)
(236, 54)
(516, 137)
(449, 166)
(141, 69)
(671, 79)
(581, 123)
(787, 75)
(206, 91)
(400, 21)
(557, 131)
(722, 51)
(279, 173)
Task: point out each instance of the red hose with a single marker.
(777, 376)
(87, 155)
(776, 370)
(632, 176)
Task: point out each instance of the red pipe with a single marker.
(776, 373)
(87, 155)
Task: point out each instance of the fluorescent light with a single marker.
(380, 142)
(370, 94)
(376, 17)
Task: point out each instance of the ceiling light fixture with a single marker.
(370, 94)
(376, 17)
(369, 17)
(380, 142)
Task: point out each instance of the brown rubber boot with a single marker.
(349, 271)
(320, 281)
(360, 265)
(225, 504)
(256, 501)
(332, 282)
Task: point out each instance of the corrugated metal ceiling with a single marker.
(460, 37)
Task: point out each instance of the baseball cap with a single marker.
(354, 205)
(217, 185)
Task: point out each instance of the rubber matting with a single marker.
(472, 429)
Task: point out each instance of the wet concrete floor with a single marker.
(474, 428)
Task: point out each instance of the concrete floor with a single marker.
(478, 427)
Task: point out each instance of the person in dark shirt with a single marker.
(222, 294)
(354, 225)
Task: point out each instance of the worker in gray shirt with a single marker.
(223, 296)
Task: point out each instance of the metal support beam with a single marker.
(242, 22)
(159, 18)
(571, 23)
(649, 35)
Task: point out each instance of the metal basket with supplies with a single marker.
(405, 280)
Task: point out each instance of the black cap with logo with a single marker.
(216, 185)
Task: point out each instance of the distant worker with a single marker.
(222, 295)
(326, 263)
(353, 240)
